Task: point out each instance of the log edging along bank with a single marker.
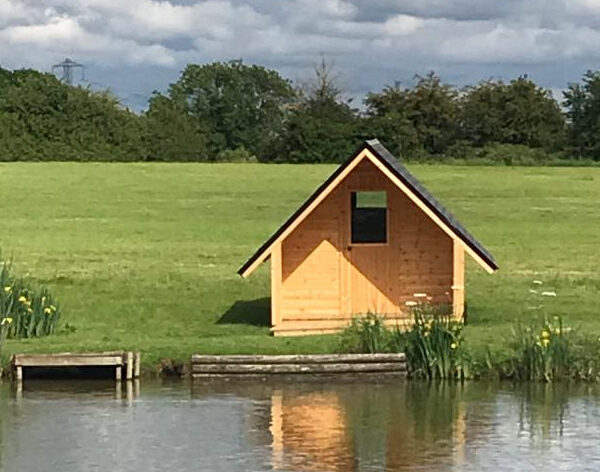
(207, 366)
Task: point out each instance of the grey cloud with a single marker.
(136, 46)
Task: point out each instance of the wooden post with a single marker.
(129, 366)
(129, 390)
(118, 371)
(19, 392)
(19, 373)
(276, 281)
(136, 363)
(458, 281)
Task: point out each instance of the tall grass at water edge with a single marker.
(25, 312)
(433, 343)
(548, 351)
(435, 348)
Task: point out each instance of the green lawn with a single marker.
(144, 256)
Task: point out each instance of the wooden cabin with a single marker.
(370, 239)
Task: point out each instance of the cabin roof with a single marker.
(379, 152)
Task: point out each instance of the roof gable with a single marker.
(374, 151)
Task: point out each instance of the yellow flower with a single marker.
(453, 346)
(48, 311)
(43, 300)
(6, 321)
(23, 299)
(545, 334)
(52, 307)
(557, 331)
(29, 310)
(8, 289)
(545, 342)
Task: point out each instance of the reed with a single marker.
(25, 311)
(548, 351)
(434, 345)
(366, 335)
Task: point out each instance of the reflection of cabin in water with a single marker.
(370, 239)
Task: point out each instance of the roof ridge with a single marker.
(380, 152)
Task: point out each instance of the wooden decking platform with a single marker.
(126, 364)
(206, 366)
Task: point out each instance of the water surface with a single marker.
(295, 426)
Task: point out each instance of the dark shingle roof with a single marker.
(387, 158)
(402, 173)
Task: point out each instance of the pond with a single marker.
(298, 426)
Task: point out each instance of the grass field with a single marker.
(144, 256)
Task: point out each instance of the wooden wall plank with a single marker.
(276, 276)
(458, 282)
(326, 280)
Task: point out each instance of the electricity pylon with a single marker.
(67, 67)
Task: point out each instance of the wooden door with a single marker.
(366, 284)
(369, 280)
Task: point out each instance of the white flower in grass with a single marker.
(549, 294)
(537, 282)
(410, 303)
(532, 291)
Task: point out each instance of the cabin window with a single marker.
(369, 217)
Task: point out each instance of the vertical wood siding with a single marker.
(326, 280)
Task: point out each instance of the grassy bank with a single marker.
(144, 256)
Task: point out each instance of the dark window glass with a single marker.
(369, 217)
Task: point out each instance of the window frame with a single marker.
(387, 219)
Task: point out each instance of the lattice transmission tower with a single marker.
(68, 66)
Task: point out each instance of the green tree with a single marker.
(173, 134)
(434, 113)
(321, 127)
(519, 112)
(389, 119)
(238, 105)
(582, 102)
(423, 117)
(44, 119)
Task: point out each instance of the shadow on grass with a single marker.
(251, 312)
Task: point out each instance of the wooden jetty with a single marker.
(207, 366)
(126, 364)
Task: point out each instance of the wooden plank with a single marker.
(298, 358)
(304, 328)
(39, 360)
(297, 368)
(305, 377)
(276, 281)
(458, 282)
(64, 354)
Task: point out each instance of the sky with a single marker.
(133, 47)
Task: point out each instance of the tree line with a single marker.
(232, 111)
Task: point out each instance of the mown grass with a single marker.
(144, 256)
